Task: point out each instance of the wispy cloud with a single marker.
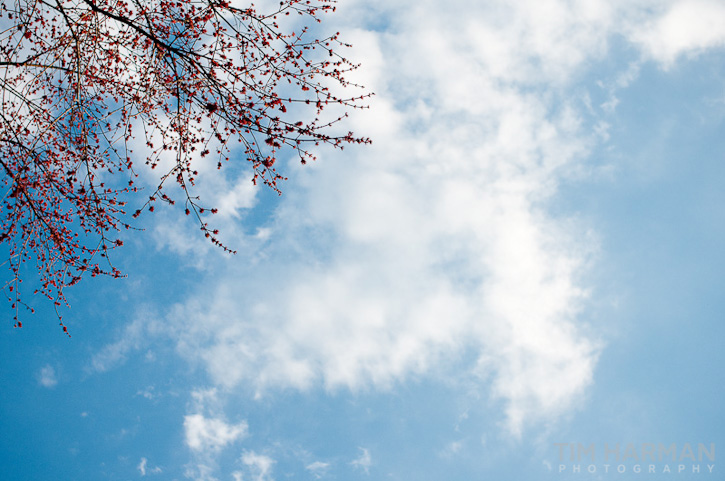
(259, 465)
(134, 336)
(452, 449)
(364, 462)
(47, 377)
(318, 469)
(144, 468)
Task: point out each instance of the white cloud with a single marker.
(394, 259)
(621, 81)
(207, 433)
(47, 377)
(391, 260)
(211, 434)
(364, 461)
(144, 468)
(318, 469)
(147, 393)
(259, 465)
(685, 27)
(200, 472)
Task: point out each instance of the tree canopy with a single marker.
(83, 83)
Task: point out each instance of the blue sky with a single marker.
(529, 254)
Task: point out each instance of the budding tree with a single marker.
(81, 81)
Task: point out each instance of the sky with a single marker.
(521, 278)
